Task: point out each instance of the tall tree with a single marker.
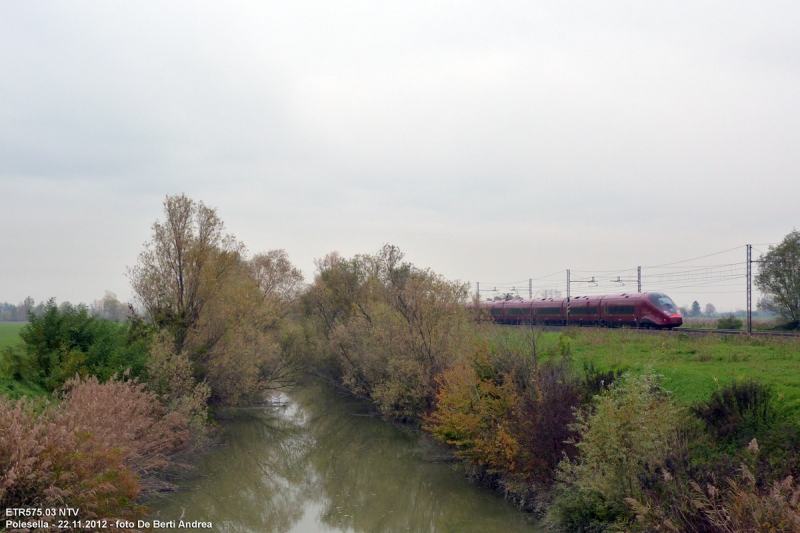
(695, 311)
(778, 278)
(225, 314)
(710, 309)
(277, 278)
(180, 269)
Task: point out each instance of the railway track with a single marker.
(691, 331)
(761, 333)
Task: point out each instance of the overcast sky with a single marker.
(491, 141)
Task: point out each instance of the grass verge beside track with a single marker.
(692, 366)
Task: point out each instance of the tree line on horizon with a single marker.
(108, 307)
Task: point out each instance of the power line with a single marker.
(695, 258)
(715, 278)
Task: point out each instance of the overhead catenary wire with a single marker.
(694, 258)
(673, 277)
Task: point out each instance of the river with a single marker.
(317, 462)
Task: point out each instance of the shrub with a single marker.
(745, 507)
(171, 376)
(736, 407)
(729, 322)
(543, 422)
(628, 435)
(576, 511)
(62, 342)
(596, 381)
(506, 416)
(742, 504)
(96, 449)
(474, 413)
(792, 325)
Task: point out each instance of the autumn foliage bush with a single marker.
(474, 412)
(385, 329)
(97, 447)
(506, 413)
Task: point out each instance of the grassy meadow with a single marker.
(692, 366)
(9, 333)
(759, 323)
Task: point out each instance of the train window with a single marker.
(520, 311)
(496, 311)
(663, 302)
(549, 311)
(620, 310)
(583, 311)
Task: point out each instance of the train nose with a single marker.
(675, 319)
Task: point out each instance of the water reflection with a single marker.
(316, 464)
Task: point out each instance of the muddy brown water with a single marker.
(317, 462)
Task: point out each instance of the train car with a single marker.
(624, 309)
(550, 311)
(586, 311)
(645, 310)
(659, 311)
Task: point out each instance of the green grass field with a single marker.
(711, 323)
(9, 333)
(692, 366)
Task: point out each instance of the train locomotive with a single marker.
(652, 310)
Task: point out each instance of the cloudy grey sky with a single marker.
(491, 141)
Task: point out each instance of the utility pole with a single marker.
(639, 272)
(478, 289)
(568, 285)
(749, 289)
(530, 288)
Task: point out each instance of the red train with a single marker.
(645, 310)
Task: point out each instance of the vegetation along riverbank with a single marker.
(595, 430)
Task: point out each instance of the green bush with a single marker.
(576, 511)
(733, 416)
(737, 410)
(66, 341)
(729, 322)
(629, 434)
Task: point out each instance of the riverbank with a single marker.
(607, 429)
